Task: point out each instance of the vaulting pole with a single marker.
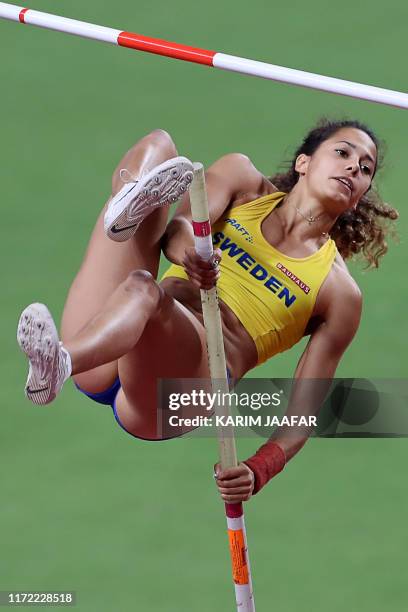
(218, 371)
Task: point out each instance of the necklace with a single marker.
(309, 218)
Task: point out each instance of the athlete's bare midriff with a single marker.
(240, 349)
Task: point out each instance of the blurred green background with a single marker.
(132, 525)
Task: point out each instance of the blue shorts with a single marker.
(108, 398)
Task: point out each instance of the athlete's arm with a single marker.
(318, 363)
(312, 380)
(229, 176)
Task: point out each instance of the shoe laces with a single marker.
(127, 177)
(64, 363)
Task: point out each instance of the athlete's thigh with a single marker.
(173, 346)
(107, 264)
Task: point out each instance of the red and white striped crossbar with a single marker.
(202, 56)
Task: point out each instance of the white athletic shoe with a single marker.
(163, 185)
(49, 362)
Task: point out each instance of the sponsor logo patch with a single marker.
(239, 228)
(305, 288)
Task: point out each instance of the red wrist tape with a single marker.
(268, 461)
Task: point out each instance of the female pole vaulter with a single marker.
(279, 265)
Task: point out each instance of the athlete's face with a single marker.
(340, 171)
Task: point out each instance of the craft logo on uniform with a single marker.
(240, 228)
(305, 288)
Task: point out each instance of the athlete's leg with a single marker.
(116, 329)
(152, 336)
(172, 346)
(107, 264)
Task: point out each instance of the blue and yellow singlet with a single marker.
(272, 294)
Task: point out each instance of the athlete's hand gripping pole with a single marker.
(218, 371)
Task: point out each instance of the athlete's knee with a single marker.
(138, 278)
(141, 281)
(164, 140)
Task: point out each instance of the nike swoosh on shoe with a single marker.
(116, 230)
(32, 391)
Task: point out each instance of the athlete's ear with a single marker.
(302, 163)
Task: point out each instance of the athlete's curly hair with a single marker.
(360, 231)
